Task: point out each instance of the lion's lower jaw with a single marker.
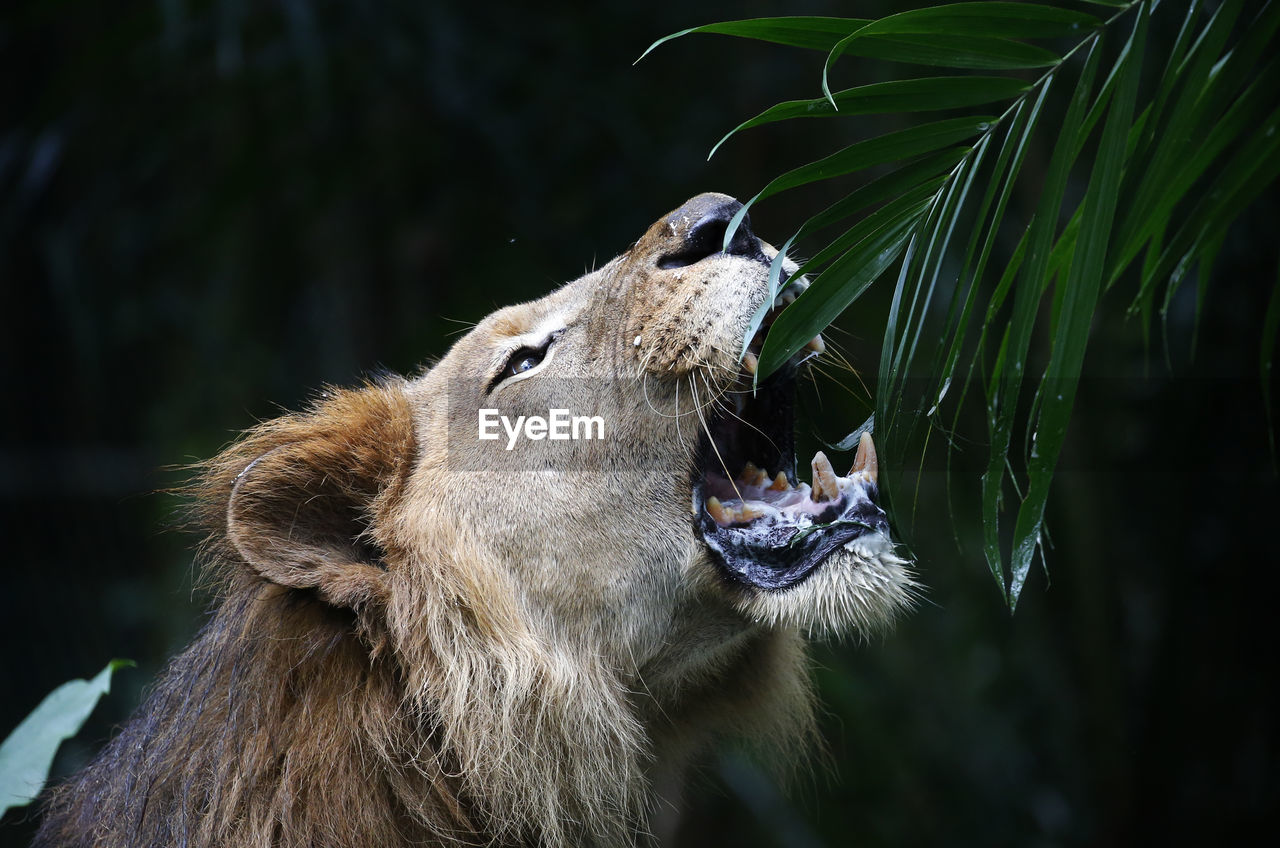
(859, 590)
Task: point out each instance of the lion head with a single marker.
(688, 498)
(509, 599)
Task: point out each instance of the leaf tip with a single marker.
(649, 50)
(662, 41)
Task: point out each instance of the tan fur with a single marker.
(421, 638)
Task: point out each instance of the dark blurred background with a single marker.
(208, 210)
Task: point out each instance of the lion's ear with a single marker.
(302, 514)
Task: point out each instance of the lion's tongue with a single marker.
(753, 494)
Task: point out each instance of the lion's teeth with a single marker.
(753, 476)
(865, 460)
(717, 511)
(780, 483)
(750, 513)
(816, 344)
(750, 362)
(825, 486)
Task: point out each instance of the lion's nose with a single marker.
(699, 227)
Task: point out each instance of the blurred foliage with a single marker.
(208, 210)
(26, 755)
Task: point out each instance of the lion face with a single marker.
(677, 512)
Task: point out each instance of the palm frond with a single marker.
(1166, 167)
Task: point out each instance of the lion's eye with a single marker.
(524, 359)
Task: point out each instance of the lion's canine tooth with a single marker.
(865, 459)
(753, 476)
(825, 486)
(750, 362)
(717, 511)
(780, 483)
(816, 344)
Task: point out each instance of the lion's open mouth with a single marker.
(766, 527)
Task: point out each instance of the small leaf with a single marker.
(1246, 109)
(894, 183)
(832, 291)
(965, 35)
(976, 52)
(1183, 151)
(944, 49)
(1004, 20)
(1253, 167)
(1009, 164)
(890, 147)
(851, 441)
(916, 95)
(904, 182)
(1208, 256)
(1026, 300)
(859, 231)
(939, 239)
(814, 33)
(1161, 162)
(1082, 288)
(1171, 78)
(27, 755)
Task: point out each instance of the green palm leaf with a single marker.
(1165, 166)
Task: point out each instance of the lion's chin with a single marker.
(857, 590)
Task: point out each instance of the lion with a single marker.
(423, 634)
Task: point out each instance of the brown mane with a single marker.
(228, 745)
(288, 722)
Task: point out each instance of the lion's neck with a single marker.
(276, 728)
(246, 739)
(753, 687)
